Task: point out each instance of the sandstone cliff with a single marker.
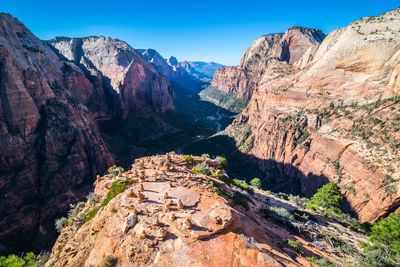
(141, 88)
(160, 213)
(286, 47)
(50, 146)
(333, 116)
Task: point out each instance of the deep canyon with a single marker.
(301, 110)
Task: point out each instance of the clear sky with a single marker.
(216, 30)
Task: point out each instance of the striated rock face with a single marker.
(289, 47)
(168, 216)
(50, 147)
(142, 90)
(172, 70)
(333, 117)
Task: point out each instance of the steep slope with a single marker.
(163, 214)
(287, 48)
(142, 90)
(50, 146)
(336, 119)
(169, 68)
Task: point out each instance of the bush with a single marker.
(189, 159)
(117, 187)
(256, 182)
(241, 184)
(202, 168)
(295, 244)
(327, 199)
(110, 261)
(26, 260)
(115, 170)
(61, 223)
(222, 160)
(386, 233)
(91, 213)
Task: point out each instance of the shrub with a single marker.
(202, 168)
(256, 182)
(26, 260)
(115, 170)
(386, 232)
(61, 223)
(327, 199)
(281, 212)
(241, 184)
(91, 213)
(222, 160)
(110, 261)
(189, 159)
(117, 187)
(295, 244)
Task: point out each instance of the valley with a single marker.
(111, 155)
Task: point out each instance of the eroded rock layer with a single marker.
(166, 215)
(50, 147)
(334, 116)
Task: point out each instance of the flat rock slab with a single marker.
(189, 197)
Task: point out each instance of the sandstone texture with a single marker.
(169, 216)
(289, 47)
(50, 147)
(141, 89)
(333, 115)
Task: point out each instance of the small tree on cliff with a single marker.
(386, 233)
(327, 199)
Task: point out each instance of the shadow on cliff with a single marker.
(275, 176)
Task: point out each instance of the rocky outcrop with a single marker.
(166, 215)
(50, 146)
(333, 117)
(289, 47)
(141, 89)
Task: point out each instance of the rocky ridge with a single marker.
(289, 48)
(333, 117)
(167, 215)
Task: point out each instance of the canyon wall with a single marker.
(332, 115)
(287, 47)
(50, 147)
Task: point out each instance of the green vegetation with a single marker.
(26, 260)
(202, 168)
(227, 100)
(110, 261)
(115, 170)
(386, 234)
(61, 223)
(189, 159)
(241, 184)
(91, 213)
(222, 160)
(327, 199)
(256, 182)
(296, 245)
(117, 187)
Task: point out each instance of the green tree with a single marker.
(327, 199)
(256, 182)
(222, 160)
(386, 232)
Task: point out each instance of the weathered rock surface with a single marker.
(333, 116)
(50, 147)
(141, 88)
(168, 216)
(289, 47)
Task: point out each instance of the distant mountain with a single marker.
(201, 70)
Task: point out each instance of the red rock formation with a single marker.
(50, 147)
(334, 116)
(168, 216)
(288, 47)
(141, 89)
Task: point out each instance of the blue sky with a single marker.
(217, 30)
